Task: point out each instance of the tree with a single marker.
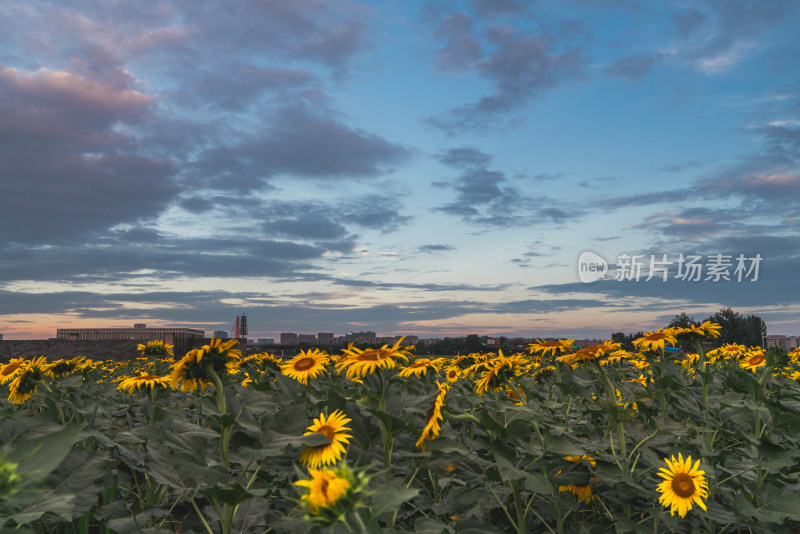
(748, 330)
(473, 344)
(682, 320)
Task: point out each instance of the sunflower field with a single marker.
(555, 439)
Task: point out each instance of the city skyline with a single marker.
(428, 167)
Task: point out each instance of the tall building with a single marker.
(311, 339)
(325, 338)
(288, 338)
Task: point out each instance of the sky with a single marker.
(430, 168)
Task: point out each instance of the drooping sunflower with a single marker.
(144, 380)
(195, 369)
(155, 347)
(307, 364)
(589, 353)
(359, 363)
(706, 329)
(62, 368)
(418, 368)
(552, 347)
(683, 485)
(582, 491)
(432, 428)
(324, 488)
(333, 427)
(656, 340)
(26, 380)
(728, 351)
(499, 371)
(10, 370)
(753, 360)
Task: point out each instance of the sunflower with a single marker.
(333, 428)
(656, 340)
(753, 360)
(706, 329)
(360, 363)
(683, 485)
(452, 372)
(582, 491)
(616, 357)
(144, 380)
(26, 380)
(324, 488)
(155, 348)
(193, 371)
(63, 368)
(727, 352)
(418, 368)
(307, 364)
(10, 370)
(434, 415)
(589, 353)
(551, 346)
(498, 372)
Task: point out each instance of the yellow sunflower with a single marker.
(359, 363)
(155, 348)
(62, 368)
(333, 427)
(193, 370)
(499, 371)
(683, 485)
(706, 329)
(10, 370)
(144, 380)
(307, 364)
(753, 360)
(324, 488)
(553, 347)
(655, 340)
(452, 372)
(589, 353)
(432, 428)
(418, 368)
(26, 380)
(582, 491)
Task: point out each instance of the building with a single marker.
(407, 340)
(220, 334)
(183, 339)
(311, 339)
(288, 338)
(783, 342)
(266, 341)
(325, 338)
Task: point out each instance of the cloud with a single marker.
(431, 249)
(485, 197)
(634, 67)
(69, 165)
(518, 64)
(688, 22)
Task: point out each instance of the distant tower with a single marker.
(243, 326)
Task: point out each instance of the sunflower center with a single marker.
(683, 485)
(371, 356)
(757, 360)
(304, 364)
(10, 368)
(430, 413)
(328, 431)
(324, 489)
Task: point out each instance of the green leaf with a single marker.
(38, 457)
(232, 496)
(389, 499)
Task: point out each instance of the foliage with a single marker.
(552, 440)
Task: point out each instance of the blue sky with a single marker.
(428, 168)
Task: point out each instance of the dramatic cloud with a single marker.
(519, 65)
(486, 197)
